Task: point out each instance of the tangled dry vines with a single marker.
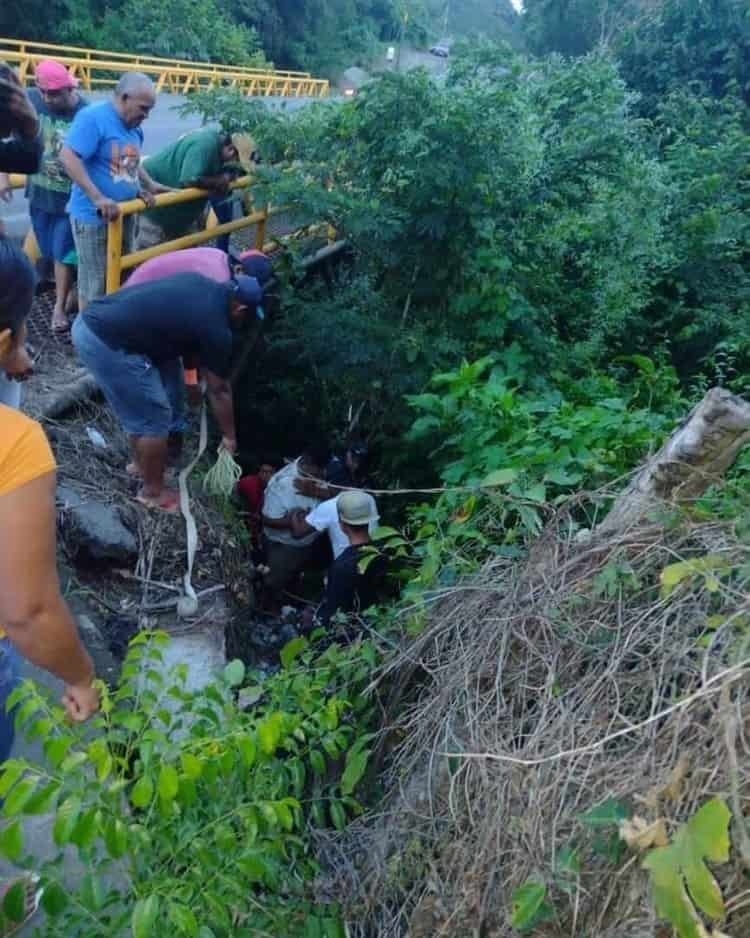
(541, 693)
(545, 688)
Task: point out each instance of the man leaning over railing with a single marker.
(208, 159)
(102, 155)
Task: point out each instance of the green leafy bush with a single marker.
(188, 809)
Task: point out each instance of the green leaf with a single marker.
(528, 904)
(169, 783)
(338, 815)
(183, 918)
(285, 816)
(86, 830)
(248, 750)
(191, 765)
(707, 567)
(91, 892)
(318, 762)
(11, 772)
(682, 864)
(65, 820)
(42, 799)
(234, 673)
(609, 812)
(145, 914)
(11, 840)
(56, 749)
(116, 838)
(500, 477)
(142, 793)
(14, 902)
(269, 733)
(293, 648)
(19, 797)
(54, 899)
(356, 763)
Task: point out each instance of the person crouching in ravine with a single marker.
(134, 343)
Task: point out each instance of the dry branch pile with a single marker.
(539, 691)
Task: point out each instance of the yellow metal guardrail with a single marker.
(117, 262)
(95, 68)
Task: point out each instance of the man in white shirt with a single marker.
(282, 505)
(325, 518)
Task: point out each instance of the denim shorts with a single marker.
(9, 678)
(10, 391)
(148, 399)
(53, 234)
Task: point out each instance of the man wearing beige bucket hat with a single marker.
(203, 158)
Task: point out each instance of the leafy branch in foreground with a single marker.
(186, 808)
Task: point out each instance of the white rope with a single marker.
(188, 604)
(713, 686)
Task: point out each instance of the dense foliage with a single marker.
(518, 202)
(662, 47)
(318, 35)
(189, 807)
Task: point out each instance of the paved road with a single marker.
(164, 125)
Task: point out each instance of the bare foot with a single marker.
(168, 501)
(59, 321)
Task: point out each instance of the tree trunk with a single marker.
(697, 454)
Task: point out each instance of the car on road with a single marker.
(441, 50)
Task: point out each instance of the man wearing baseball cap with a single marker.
(134, 342)
(348, 589)
(211, 262)
(202, 158)
(56, 102)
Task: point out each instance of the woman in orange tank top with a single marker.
(34, 618)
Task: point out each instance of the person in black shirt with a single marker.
(20, 147)
(133, 342)
(348, 589)
(351, 470)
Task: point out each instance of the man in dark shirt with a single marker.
(134, 341)
(348, 589)
(20, 148)
(351, 470)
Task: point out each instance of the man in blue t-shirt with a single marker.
(102, 155)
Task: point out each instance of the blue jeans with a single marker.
(9, 679)
(223, 207)
(10, 392)
(147, 398)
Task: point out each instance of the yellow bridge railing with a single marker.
(118, 262)
(97, 68)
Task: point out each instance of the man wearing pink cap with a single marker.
(57, 102)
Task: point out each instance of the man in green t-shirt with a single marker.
(202, 158)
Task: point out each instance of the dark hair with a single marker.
(17, 284)
(269, 459)
(360, 449)
(316, 454)
(226, 139)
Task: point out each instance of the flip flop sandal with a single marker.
(32, 898)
